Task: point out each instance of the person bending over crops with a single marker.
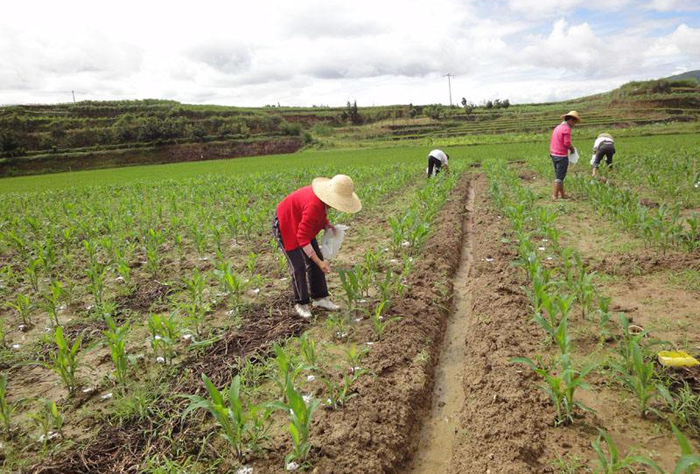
(559, 148)
(436, 160)
(604, 146)
(299, 218)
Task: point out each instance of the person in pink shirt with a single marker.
(559, 148)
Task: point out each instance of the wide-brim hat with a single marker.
(338, 192)
(572, 114)
(605, 135)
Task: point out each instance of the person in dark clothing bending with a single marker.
(604, 146)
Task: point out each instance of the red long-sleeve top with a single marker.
(302, 215)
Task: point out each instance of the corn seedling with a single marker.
(23, 306)
(355, 356)
(51, 301)
(308, 350)
(195, 307)
(300, 414)
(557, 310)
(33, 273)
(65, 360)
(251, 262)
(613, 462)
(338, 393)
(287, 368)
(49, 421)
(115, 338)
(637, 375)
(688, 460)
(561, 387)
(232, 283)
(236, 420)
(379, 322)
(350, 281)
(165, 331)
(6, 409)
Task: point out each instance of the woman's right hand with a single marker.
(325, 268)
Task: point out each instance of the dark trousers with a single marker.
(302, 268)
(607, 150)
(433, 164)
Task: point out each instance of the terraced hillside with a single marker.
(38, 139)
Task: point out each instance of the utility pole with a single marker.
(73, 92)
(449, 85)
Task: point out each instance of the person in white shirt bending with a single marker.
(604, 146)
(436, 160)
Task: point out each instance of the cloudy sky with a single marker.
(306, 52)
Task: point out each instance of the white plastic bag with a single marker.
(573, 157)
(330, 245)
(593, 159)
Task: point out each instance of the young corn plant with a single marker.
(227, 409)
(339, 393)
(613, 462)
(6, 408)
(115, 337)
(688, 461)
(65, 360)
(52, 299)
(637, 375)
(232, 283)
(561, 387)
(379, 322)
(350, 281)
(300, 413)
(557, 309)
(196, 308)
(47, 420)
(165, 331)
(308, 350)
(287, 368)
(23, 306)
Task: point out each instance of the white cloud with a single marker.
(326, 52)
(674, 5)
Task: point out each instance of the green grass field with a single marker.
(313, 158)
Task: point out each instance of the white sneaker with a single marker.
(303, 310)
(325, 303)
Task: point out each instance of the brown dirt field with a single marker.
(375, 430)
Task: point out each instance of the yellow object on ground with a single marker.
(677, 359)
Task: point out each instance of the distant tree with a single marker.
(10, 144)
(412, 111)
(489, 104)
(352, 113)
(434, 111)
(468, 107)
(497, 104)
(505, 104)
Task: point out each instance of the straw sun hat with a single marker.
(337, 192)
(572, 114)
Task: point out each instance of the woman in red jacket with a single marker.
(300, 217)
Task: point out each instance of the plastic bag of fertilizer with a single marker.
(573, 157)
(330, 245)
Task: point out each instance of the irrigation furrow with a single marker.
(438, 432)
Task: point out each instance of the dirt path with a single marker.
(438, 432)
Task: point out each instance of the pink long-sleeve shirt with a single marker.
(561, 140)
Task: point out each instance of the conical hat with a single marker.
(338, 192)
